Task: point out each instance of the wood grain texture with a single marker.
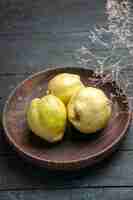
(34, 34)
(60, 16)
(114, 172)
(82, 194)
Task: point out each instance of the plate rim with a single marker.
(26, 154)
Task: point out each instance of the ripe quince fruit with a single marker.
(64, 85)
(47, 117)
(89, 110)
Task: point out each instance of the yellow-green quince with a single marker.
(64, 85)
(47, 117)
(89, 110)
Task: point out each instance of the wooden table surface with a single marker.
(33, 36)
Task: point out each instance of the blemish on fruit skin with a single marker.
(77, 116)
(47, 92)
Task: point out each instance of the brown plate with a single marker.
(74, 151)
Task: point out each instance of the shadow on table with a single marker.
(21, 174)
(29, 176)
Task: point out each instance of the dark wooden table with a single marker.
(33, 36)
